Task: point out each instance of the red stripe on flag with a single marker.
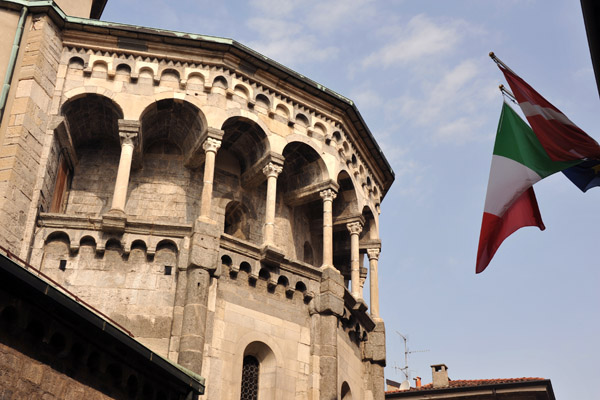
(562, 142)
(494, 229)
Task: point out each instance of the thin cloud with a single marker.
(452, 107)
(421, 37)
(275, 8)
(282, 36)
(331, 16)
(366, 99)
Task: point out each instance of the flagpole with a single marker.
(508, 94)
(499, 62)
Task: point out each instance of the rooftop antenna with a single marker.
(407, 351)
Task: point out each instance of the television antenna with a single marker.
(407, 351)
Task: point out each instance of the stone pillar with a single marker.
(354, 228)
(328, 195)
(272, 171)
(330, 306)
(128, 133)
(210, 147)
(374, 282)
(374, 354)
(193, 330)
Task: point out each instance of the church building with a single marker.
(221, 208)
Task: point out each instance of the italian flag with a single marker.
(519, 161)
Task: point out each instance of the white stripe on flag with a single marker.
(508, 180)
(531, 110)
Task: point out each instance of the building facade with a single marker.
(218, 205)
(444, 388)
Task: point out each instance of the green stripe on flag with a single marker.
(516, 140)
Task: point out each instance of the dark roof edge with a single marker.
(97, 8)
(345, 103)
(591, 18)
(186, 377)
(505, 385)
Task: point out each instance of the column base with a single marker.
(207, 220)
(325, 266)
(271, 255)
(114, 221)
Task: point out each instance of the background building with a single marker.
(222, 208)
(480, 389)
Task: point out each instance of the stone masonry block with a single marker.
(375, 346)
(330, 303)
(204, 246)
(334, 287)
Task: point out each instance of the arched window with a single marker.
(346, 392)
(250, 370)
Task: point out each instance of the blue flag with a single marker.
(585, 175)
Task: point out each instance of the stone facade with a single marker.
(214, 203)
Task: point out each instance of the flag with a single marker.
(561, 138)
(518, 161)
(585, 175)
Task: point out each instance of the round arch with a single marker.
(92, 118)
(178, 122)
(303, 166)
(345, 392)
(270, 357)
(135, 110)
(371, 228)
(245, 139)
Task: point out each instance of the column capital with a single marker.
(373, 254)
(272, 170)
(328, 194)
(128, 138)
(211, 144)
(354, 228)
(214, 133)
(128, 131)
(129, 125)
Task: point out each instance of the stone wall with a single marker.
(244, 313)
(93, 181)
(164, 190)
(135, 290)
(23, 377)
(25, 122)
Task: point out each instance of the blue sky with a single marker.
(420, 74)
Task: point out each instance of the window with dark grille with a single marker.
(250, 379)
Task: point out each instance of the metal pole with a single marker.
(12, 61)
(499, 62)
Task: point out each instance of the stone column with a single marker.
(272, 171)
(193, 330)
(210, 147)
(328, 195)
(374, 282)
(128, 133)
(354, 228)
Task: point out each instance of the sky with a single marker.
(421, 77)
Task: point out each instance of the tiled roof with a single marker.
(461, 383)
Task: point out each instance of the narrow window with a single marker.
(250, 378)
(63, 265)
(60, 186)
